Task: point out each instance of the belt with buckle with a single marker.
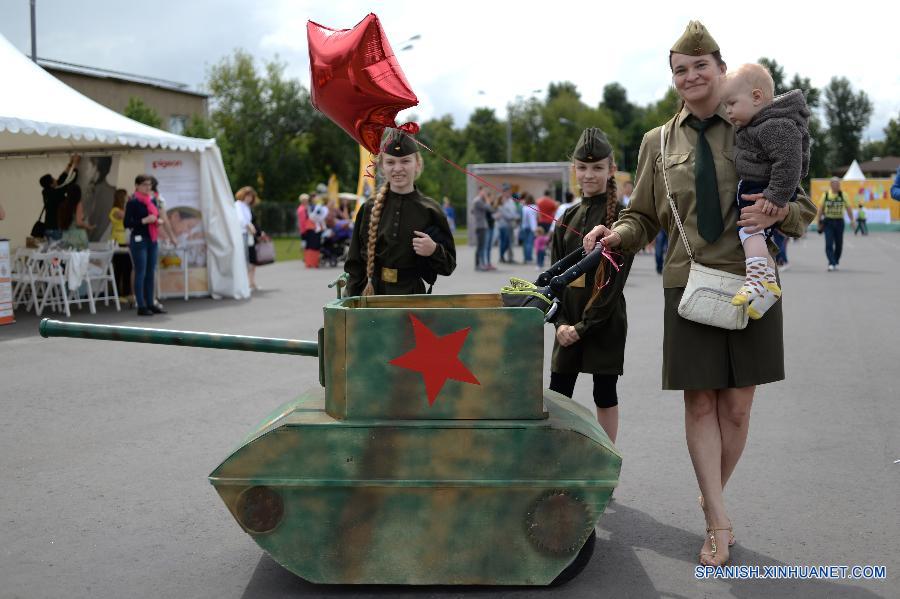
(397, 275)
(388, 275)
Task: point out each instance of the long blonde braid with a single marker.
(612, 204)
(374, 220)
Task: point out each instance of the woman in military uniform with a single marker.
(717, 369)
(591, 326)
(400, 237)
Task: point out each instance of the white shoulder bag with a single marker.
(707, 295)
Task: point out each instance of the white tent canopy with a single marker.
(42, 119)
(854, 173)
(38, 113)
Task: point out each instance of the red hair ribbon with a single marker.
(612, 257)
(370, 168)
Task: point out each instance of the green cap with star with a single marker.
(695, 41)
(397, 143)
(592, 146)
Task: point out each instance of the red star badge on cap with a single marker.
(437, 358)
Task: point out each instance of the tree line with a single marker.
(272, 138)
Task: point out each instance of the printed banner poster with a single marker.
(179, 187)
(873, 194)
(97, 193)
(6, 299)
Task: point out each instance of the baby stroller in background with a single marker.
(336, 242)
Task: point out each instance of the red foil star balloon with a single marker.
(356, 79)
(437, 358)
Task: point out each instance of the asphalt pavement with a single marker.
(105, 448)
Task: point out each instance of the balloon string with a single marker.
(494, 187)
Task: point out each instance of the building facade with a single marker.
(174, 102)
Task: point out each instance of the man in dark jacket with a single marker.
(54, 193)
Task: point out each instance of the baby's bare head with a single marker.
(747, 90)
(749, 77)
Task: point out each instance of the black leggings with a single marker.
(604, 387)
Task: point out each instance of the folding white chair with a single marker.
(47, 273)
(77, 282)
(101, 276)
(23, 290)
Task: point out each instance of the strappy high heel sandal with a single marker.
(712, 556)
(731, 539)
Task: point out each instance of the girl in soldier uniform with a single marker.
(591, 326)
(717, 369)
(400, 237)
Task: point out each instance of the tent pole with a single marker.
(33, 35)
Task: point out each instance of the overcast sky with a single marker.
(503, 48)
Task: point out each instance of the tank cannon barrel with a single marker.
(56, 328)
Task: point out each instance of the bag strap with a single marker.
(41, 215)
(662, 144)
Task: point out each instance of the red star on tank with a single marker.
(437, 358)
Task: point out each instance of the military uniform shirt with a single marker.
(649, 210)
(401, 215)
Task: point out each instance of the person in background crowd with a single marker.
(571, 200)
(547, 207)
(121, 261)
(627, 188)
(307, 229)
(167, 233)
(141, 216)
(493, 203)
(165, 227)
(331, 210)
(341, 210)
(318, 214)
(401, 239)
(660, 247)
(74, 225)
(541, 241)
(54, 194)
(529, 225)
(302, 213)
(508, 217)
(480, 210)
(245, 198)
(781, 259)
(450, 213)
(831, 220)
(861, 221)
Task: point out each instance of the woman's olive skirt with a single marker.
(697, 356)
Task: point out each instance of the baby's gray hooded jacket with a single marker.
(774, 146)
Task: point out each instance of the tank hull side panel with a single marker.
(413, 502)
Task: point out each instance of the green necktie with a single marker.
(709, 212)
